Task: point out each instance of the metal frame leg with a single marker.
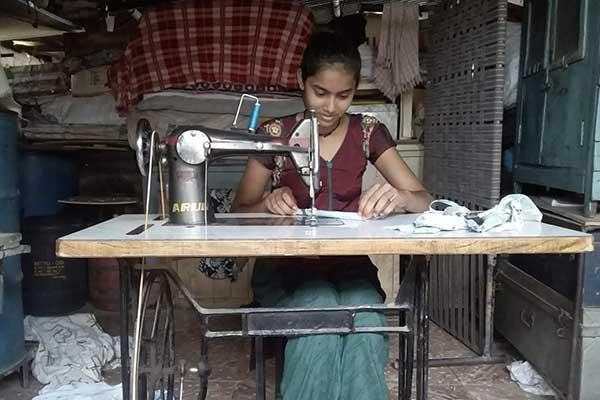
(487, 356)
(406, 342)
(203, 369)
(124, 326)
(279, 365)
(260, 367)
(403, 344)
(25, 371)
(422, 326)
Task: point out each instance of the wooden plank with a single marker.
(111, 239)
(322, 247)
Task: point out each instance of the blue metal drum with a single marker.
(9, 192)
(45, 178)
(12, 337)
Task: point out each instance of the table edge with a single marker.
(322, 247)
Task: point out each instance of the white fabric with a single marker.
(397, 66)
(528, 379)
(367, 61)
(83, 391)
(6, 98)
(99, 110)
(512, 211)
(72, 349)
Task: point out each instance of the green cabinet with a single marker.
(558, 98)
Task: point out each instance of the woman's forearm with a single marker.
(417, 202)
(254, 207)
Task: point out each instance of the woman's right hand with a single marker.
(281, 201)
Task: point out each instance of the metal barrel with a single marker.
(45, 178)
(9, 192)
(52, 285)
(12, 336)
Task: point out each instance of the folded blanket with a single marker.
(231, 45)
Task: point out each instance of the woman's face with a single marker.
(329, 92)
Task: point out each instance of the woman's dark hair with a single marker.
(326, 48)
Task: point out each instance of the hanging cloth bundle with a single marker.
(397, 65)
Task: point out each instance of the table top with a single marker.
(282, 238)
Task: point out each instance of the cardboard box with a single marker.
(90, 82)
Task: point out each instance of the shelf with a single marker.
(22, 19)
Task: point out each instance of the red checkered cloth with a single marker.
(233, 45)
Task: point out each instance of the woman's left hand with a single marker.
(382, 199)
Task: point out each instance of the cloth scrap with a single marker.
(228, 45)
(528, 379)
(510, 214)
(72, 349)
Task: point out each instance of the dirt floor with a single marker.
(231, 377)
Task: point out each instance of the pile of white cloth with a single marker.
(528, 379)
(512, 211)
(83, 391)
(72, 351)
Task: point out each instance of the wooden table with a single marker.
(125, 236)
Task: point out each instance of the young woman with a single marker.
(330, 367)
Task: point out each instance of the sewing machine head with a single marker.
(188, 150)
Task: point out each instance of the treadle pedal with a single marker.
(297, 322)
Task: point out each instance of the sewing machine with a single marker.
(188, 150)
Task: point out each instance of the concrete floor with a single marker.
(231, 378)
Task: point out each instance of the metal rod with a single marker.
(574, 370)
(237, 113)
(301, 332)
(402, 341)
(425, 311)
(124, 325)
(410, 353)
(279, 360)
(260, 368)
(472, 297)
(477, 360)
(138, 322)
(422, 328)
(181, 377)
(481, 301)
(203, 369)
(489, 305)
(314, 156)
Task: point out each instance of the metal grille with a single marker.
(463, 144)
(458, 296)
(464, 101)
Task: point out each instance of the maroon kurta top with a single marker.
(341, 177)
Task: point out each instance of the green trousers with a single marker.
(328, 367)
